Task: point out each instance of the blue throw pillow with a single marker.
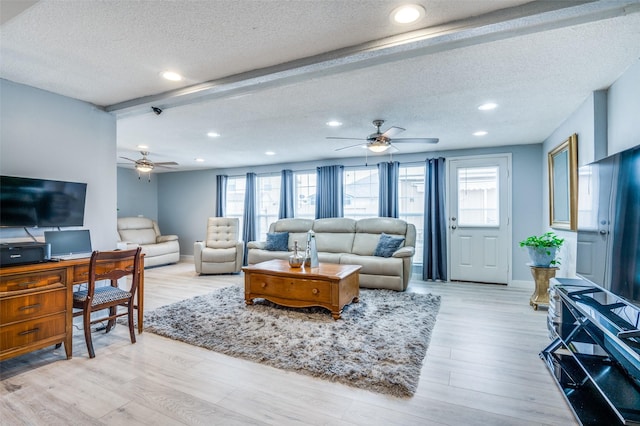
(387, 245)
(277, 241)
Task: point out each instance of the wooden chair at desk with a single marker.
(102, 267)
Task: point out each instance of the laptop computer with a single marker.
(67, 245)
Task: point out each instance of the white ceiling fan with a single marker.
(380, 142)
(144, 165)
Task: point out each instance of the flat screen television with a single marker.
(26, 202)
(608, 240)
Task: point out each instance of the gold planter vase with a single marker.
(541, 276)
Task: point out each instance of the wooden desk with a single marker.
(36, 305)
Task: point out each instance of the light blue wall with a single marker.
(527, 190)
(582, 122)
(137, 195)
(624, 111)
(48, 136)
(187, 199)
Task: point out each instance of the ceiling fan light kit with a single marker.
(378, 147)
(144, 165)
(379, 142)
(144, 168)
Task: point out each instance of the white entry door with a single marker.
(479, 223)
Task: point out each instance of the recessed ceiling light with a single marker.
(407, 14)
(143, 147)
(199, 160)
(480, 133)
(171, 75)
(334, 123)
(488, 106)
(269, 153)
(213, 134)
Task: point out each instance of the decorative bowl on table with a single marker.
(296, 261)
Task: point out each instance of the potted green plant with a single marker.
(543, 249)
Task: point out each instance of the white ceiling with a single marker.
(268, 75)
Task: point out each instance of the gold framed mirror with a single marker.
(563, 184)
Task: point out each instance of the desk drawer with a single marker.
(81, 274)
(33, 280)
(290, 288)
(28, 332)
(19, 308)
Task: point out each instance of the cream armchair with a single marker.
(157, 249)
(222, 250)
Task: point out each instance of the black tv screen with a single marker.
(608, 252)
(26, 202)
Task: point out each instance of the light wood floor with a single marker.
(482, 368)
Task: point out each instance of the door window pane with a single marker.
(411, 199)
(360, 193)
(478, 198)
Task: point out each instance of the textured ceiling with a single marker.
(267, 75)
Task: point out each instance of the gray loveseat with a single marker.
(158, 249)
(348, 241)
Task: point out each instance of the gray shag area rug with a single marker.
(378, 344)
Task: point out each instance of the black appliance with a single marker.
(23, 253)
(26, 202)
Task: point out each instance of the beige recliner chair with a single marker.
(222, 251)
(157, 249)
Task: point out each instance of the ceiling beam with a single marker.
(530, 18)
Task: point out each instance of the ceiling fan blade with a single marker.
(166, 163)
(392, 131)
(350, 146)
(416, 140)
(125, 158)
(162, 165)
(354, 139)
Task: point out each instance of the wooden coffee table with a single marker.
(329, 285)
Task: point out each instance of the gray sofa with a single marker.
(349, 241)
